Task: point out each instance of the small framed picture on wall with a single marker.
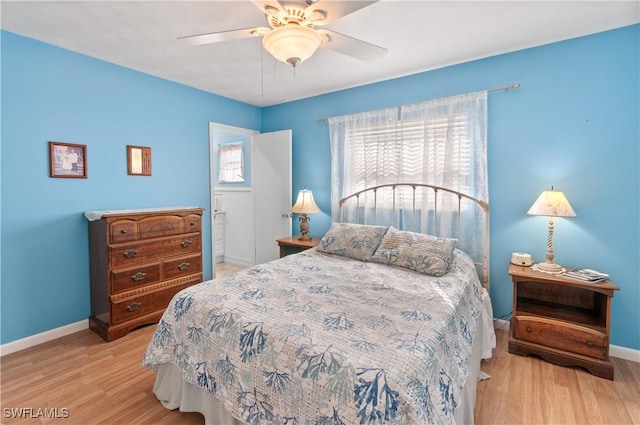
(67, 160)
(138, 160)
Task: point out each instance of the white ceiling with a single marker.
(419, 36)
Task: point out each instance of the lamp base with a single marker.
(548, 267)
(304, 228)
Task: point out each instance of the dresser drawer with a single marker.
(561, 335)
(183, 266)
(192, 223)
(133, 307)
(131, 254)
(123, 231)
(124, 280)
(155, 227)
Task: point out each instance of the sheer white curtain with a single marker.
(231, 163)
(441, 142)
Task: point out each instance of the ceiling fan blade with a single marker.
(217, 37)
(350, 46)
(329, 11)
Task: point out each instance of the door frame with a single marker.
(213, 127)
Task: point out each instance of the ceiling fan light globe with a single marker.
(291, 44)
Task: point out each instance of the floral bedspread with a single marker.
(314, 338)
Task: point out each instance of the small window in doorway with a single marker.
(231, 163)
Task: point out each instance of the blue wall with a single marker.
(574, 124)
(53, 94)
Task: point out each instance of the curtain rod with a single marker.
(503, 88)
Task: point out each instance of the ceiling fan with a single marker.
(293, 36)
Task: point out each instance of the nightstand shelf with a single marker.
(564, 321)
(563, 312)
(292, 244)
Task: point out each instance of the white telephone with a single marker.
(521, 259)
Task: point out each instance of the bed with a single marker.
(374, 325)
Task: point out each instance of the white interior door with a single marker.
(271, 192)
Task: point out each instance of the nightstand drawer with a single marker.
(561, 335)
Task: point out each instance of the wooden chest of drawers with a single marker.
(139, 260)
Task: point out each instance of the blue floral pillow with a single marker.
(357, 241)
(425, 254)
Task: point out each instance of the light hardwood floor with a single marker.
(528, 390)
(227, 268)
(105, 383)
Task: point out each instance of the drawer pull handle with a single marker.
(186, 244)
(134, 306)
(192, 223)
(528, 329)
(184, 266)
(123, 231)
(139, 276)
(589, 344)
(130, 253)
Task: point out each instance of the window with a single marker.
(439, 142)
(231, 163)
(409, 151)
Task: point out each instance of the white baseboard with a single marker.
(624, 353)
(236, 261)
(614, 350)
(501, 324)
(33, 340)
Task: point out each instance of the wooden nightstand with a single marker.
(292, 244)
(564, 321)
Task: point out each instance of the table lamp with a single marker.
(551, 203)
(305, 204)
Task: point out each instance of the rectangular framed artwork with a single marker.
(67, 160)
(138, 160)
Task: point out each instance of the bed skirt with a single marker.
(174, 393)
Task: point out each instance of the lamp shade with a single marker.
(305, 204)
(552, 203)
(292, 43)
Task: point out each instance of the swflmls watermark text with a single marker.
(35, 412)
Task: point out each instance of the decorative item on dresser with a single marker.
(564, 321)
(139, 260)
